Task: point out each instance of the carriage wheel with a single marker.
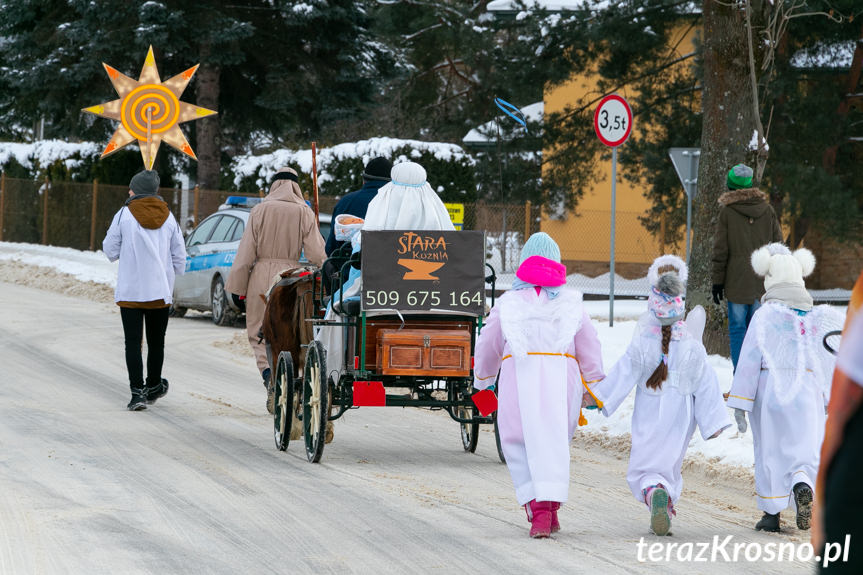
(469, 431)
(315, 401)
(284, 391)
(497, 438)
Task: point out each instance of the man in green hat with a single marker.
(746, 222)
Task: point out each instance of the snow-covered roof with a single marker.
(488, 132)
(45, 152)
(266, 165)
(552, 5)
(835, 55)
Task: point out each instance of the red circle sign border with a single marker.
(625, 137)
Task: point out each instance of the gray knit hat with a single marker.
(145, 183)
(540, 244)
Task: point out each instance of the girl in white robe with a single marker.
(783, 380)
(675, 390)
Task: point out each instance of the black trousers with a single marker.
(156, 322)
(843, 512)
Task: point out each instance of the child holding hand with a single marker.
(676, 390)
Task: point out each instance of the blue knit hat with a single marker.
(540, 244)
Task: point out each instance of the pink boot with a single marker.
(539, 514)
(555, 524)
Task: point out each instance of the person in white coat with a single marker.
(783, 380)
(676, 389)
(147, 240)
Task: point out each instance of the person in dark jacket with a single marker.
(746, 222)
(375, 175)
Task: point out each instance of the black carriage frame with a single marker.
(328, 400)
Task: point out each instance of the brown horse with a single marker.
(290, 302)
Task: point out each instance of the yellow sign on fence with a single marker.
(456, 214)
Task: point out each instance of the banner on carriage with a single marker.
(424, 270)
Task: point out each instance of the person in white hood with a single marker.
(147, 240)
(783, 381)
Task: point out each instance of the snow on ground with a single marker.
(84, 266)
(730, 448)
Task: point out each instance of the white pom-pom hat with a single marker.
(777, 264)
(666, 261)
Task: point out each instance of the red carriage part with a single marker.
(369, 394)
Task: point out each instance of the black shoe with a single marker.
(803, 498)
(768, 523)
(138, 401)
(265, 375)
(157, 391)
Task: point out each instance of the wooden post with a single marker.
(94, 204)
(527, 219)
(662, 232)
(2, 201)
(197, 198)
(45, 211)
(260, 192)
(315, 183)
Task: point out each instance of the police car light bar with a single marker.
(241, 201)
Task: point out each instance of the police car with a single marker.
(210, 252)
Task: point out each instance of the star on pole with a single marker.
(149, 111)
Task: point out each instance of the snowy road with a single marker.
(194, 484)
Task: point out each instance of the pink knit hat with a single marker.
(542, 272)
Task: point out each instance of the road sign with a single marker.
(456, 214)
(685, 162)
(613, 124)
(612, 120)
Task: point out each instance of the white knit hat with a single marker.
(777, 264)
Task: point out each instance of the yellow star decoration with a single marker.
(149, 111)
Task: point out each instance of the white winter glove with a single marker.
(740, 418)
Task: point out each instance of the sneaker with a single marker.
(157, 391)
(138, 401)
(660, 518)
(539, 515)
(768, 522)
(803, 499)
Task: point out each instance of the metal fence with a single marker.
(77, 215)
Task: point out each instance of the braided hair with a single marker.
(660, 374)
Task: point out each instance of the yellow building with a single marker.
(585, 238)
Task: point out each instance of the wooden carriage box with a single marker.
(423, 352)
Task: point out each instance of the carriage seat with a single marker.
(352, 306)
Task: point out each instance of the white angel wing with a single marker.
(695, 322)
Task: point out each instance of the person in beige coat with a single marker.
(279, 229)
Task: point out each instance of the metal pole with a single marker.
(690, 191)
(613, 203)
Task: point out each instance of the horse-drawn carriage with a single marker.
(402, 334)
